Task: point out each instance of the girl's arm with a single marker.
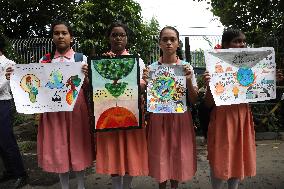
(85, 70)
(192, 90)
(144, 79)
(86, 80)
(208, 98)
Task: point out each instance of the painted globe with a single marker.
(245, 76)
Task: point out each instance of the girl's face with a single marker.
(61, 37)
(237, 42)
(118, 39)
(169, 42)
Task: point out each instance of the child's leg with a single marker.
(64, 180)
(174, 184)
(116, 181)
(127, 181)
(233, 183)
(216, 183)
(163, 185)
(80, 179)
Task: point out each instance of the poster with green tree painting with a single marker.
(115, 87)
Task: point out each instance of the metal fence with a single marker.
(31, 50)
(199, 43)
(196, 43)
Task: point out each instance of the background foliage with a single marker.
(91, 24)
(262, 21)
(30, 18)
(90, 19)
(9, 51)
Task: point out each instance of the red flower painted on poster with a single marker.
(46, 58)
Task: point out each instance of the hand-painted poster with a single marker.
(39, 88)
(166, 90)
(241, 75)
(115, 89)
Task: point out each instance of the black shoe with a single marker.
(5, 177)
(20, 182)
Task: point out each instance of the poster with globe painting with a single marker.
(241, 75)
(115, 88)
(39, 88)
(166, 89)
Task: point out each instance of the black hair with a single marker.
(117, 24)
(59, 22)
(114, 25)
(229, 35)
(70, 30)
(171, 28)
(178, 51)
(2, 43)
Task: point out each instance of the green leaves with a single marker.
(97, 21)
(114, 69)
(262, 21)
(24, 19)
(116, 89)
(90, 20)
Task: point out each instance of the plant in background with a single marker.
(24, 19)
(9, 50)
(198, 58)
(90, 23)
(261, 112)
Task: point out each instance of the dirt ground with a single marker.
(270, 168)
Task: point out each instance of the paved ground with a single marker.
(270, 172)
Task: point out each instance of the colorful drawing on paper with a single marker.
(245, 76)
(241, 57)
(55, 80)
(219, 88)
(241, 75)
(164, 87)
(72, 82)
(115, 92)
(115, 69)
(56, 98)
(116, 89)
(166, 90)
(30, 84)
(51, 87)
(116, 117)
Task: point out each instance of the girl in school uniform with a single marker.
(171, 137)
(231, 135)
(64, 141)
(122, 153)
